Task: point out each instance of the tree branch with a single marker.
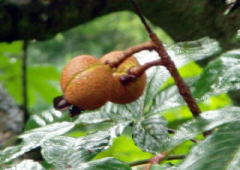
(169, 64)
(25, 81)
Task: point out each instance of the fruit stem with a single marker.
(139, 70)
(130, 51)
(60, 103)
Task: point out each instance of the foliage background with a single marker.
(112, 32)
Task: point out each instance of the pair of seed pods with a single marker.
(88, 83)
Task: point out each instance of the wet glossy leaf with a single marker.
(187, 131)
(160, 167)
(220, 76)
(104, 164)
(195, 50)
(108, 113)
(220, 151)
(27, 165)
(45, 118)
(65, 152)
(207, 121)
(57, 151)
(34, 138)
(118, 112)
(92, 117)
(148, 133)
(157, 77)
(167, 98)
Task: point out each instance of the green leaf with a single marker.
(220, 151)
(220, 76)
(45, 118)
(34, 138)
(195, 50)
(154, 139)
(63, 152)
(167, 98)
(58, 151)
(108, 113)
(104, 164)
(92, 117)
(148, 133)
(156, 78)
(124, 149)
(27, 165)
(119, 112)
(160, 167)
(207, 121)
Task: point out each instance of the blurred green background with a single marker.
(116, 31)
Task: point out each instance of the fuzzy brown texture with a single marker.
(130, 92)
(76, 66)
(86, 82)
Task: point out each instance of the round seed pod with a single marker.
(86, 82)
(124, 93)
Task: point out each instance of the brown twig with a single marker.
(169, 64)
(130, 51)
(158, 158)
(135, 72)
(24, 82)
(139, 70)
(182, 87)
(145, 161)
(139, 12)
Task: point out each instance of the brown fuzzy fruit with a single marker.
(86, 82)
(130, 92)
